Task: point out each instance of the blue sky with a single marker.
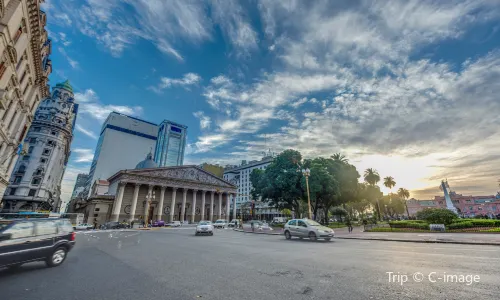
(409, 88)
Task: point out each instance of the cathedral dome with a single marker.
(148, 163)
(65, 85)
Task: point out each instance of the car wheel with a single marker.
(211, 233)
(328, 239)
(312, 236)
(288, 236)
(57, 257)
(196, 233)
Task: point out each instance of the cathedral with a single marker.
(35, 183)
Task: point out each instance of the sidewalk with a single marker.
(491, 239)
(421, 237)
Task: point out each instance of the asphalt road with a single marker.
(174, 264)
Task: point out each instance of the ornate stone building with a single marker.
(24, 70)
(36, 180)
(183, 193)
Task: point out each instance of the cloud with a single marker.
(204, 119)
(68, 182)
(87, 132)
(299, 102)
(165, 82)
(63, 39)
(83, 155)
(73, 63)
(91, 106)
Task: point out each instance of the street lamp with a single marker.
(306, 173)
(149, 198)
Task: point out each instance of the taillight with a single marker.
(73, 236)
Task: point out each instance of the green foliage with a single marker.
(371, 176)
(437, 216)
(409, 224)
(471, 223)
(460, 225)
(337, 225)
(385, 229)
(286, 212)
(491, 230)
(339, 212)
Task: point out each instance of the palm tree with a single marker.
(340, 158)
(372, 177)
(404, 194)
(389, 183)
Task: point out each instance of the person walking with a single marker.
(349, 225)
(95, 224)
(253, 228)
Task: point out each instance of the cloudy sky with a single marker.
(410, 88)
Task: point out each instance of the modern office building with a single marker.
(240, 176)
(24, 70)
(81, 181)
(171, 144)
(124, 141)
(35, 183)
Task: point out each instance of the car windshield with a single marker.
(312, 223)
(4, 224)
(219, 221)
(204, 223)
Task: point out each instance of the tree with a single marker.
(404, 194)
(389, 182)
(340, 158)
(372, 177)
(281, 182)
(339, 212)
(437, 215)
(393, 205)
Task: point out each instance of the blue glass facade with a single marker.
(170, 144)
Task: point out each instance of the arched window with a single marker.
(22, 169)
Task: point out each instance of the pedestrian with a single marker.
(253, 228)
(349, 225)
(95, 224)
(132, 224)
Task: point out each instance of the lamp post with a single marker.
(306, 173)
(149, 198)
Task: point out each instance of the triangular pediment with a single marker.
(191, 173)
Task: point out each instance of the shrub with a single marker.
(483, 223)
(384, 229)
(460, 225)
(409, 224)
(437, 216)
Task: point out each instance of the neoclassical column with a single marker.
(234, 206)
(212, 206)
(146, 207)
(160, 205)
(228, 202)
(118, 202)
(183, 207)
(203, 192)
(172, 204)
(219, 215)
(134, 201)
(193, 210)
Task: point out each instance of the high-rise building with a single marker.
(81, 181)
(124, 141)
(35, 183)
(171, 144)
(24, 70)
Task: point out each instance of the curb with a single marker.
(421, 241)
(266, 233)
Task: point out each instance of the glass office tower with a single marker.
(170, 144)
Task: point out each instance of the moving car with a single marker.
(221, 223)
(235, 223)
(158, 223)
(204, 227)
(114, 225)
(84, 226)
(28, 240)
(305, 228)
(174, 224)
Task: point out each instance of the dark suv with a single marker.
(28, 240)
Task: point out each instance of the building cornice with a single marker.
(35, 29)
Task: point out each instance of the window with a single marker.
(37, 129)
(97, 209)
(22, 169)
(36, 181)
(43, 160)
(30, 149)
(26, 157)
(96, 215)
(18, 179)
(21, 230)
(39, 172)
(46, 151)
(301, 223)
(3, 67)
(12, 191)
(46, 227)
(53, 133)
(64, 225)
(292, 223)
(32, 193)
(51, 143)
(468, 201)
(32, 140)
(19, 32)
(26, 88)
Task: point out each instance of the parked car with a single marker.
(305, 228)
(204, 227)
(235, 223)
(158, 223)
(221, 223)
(114, 225)
(28, 240)
(174, 224)
(84, 226)
(264, 227)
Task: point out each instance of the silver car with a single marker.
(305, 228)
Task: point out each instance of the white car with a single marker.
(221, 223)
(204, 227)
(174, 224)
(84, 226)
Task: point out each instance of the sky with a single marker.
(409, 88)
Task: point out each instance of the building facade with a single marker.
(123, 141)
(171, 144)
(240, 176)
(24, 70)
(81, 180)
(184, 193)
(467, 206)
(36, 180)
